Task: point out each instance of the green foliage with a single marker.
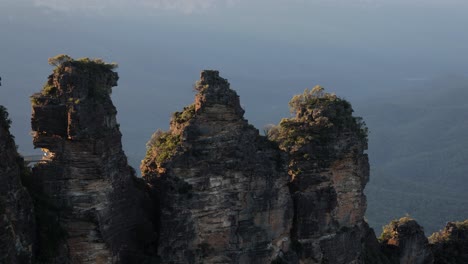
(4, 119)
(34, 100)
(93, 65)
(462, 225)
(95, 68)
(49, 90)
(162, 146)
(317, 116)
(58, 60)
(449, 245)
(444, 237)
(309, 98)
(96, 64)
(390, 231)
(185, 115)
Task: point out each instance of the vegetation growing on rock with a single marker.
(317, 115)
(442, 236)
(95, 68)
(390, 231)
(450, 245)
(161, 147)
(95, 64)
(4, 119)
(185, 115)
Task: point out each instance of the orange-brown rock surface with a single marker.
(222, 188)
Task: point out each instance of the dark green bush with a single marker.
(317, 116)
(185, 115)
(162, 146)
(4, 119)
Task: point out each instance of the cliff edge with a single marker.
(93, 198)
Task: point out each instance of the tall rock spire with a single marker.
(93, 197)
(222, 188)
(329, 170)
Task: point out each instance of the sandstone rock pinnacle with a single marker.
(223, 190)
(93, 197)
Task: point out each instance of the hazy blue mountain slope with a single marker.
(419, 153)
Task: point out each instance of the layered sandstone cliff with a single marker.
(93, 209)
(222, 188)
(214, 190)
(17, 222)
(329, 170)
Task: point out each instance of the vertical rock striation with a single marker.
(93, 203)
(405, 239)
(17, 226)
(329, 170)
(222, 188)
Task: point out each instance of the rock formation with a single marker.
(222, 188)
(214, 190)
(405, 238)
(329, 170)
(16, 209)
(450, 245)
(93, 203)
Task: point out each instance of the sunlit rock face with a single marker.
(17, 223)
(222, 188)
(93, 201)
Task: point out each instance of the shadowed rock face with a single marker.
(17, 225)
(450, 245)
(93, 199)
(405, 238)
(329, 200)
(329, 170)
(223, 193)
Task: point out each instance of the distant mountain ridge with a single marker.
(423, 171)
